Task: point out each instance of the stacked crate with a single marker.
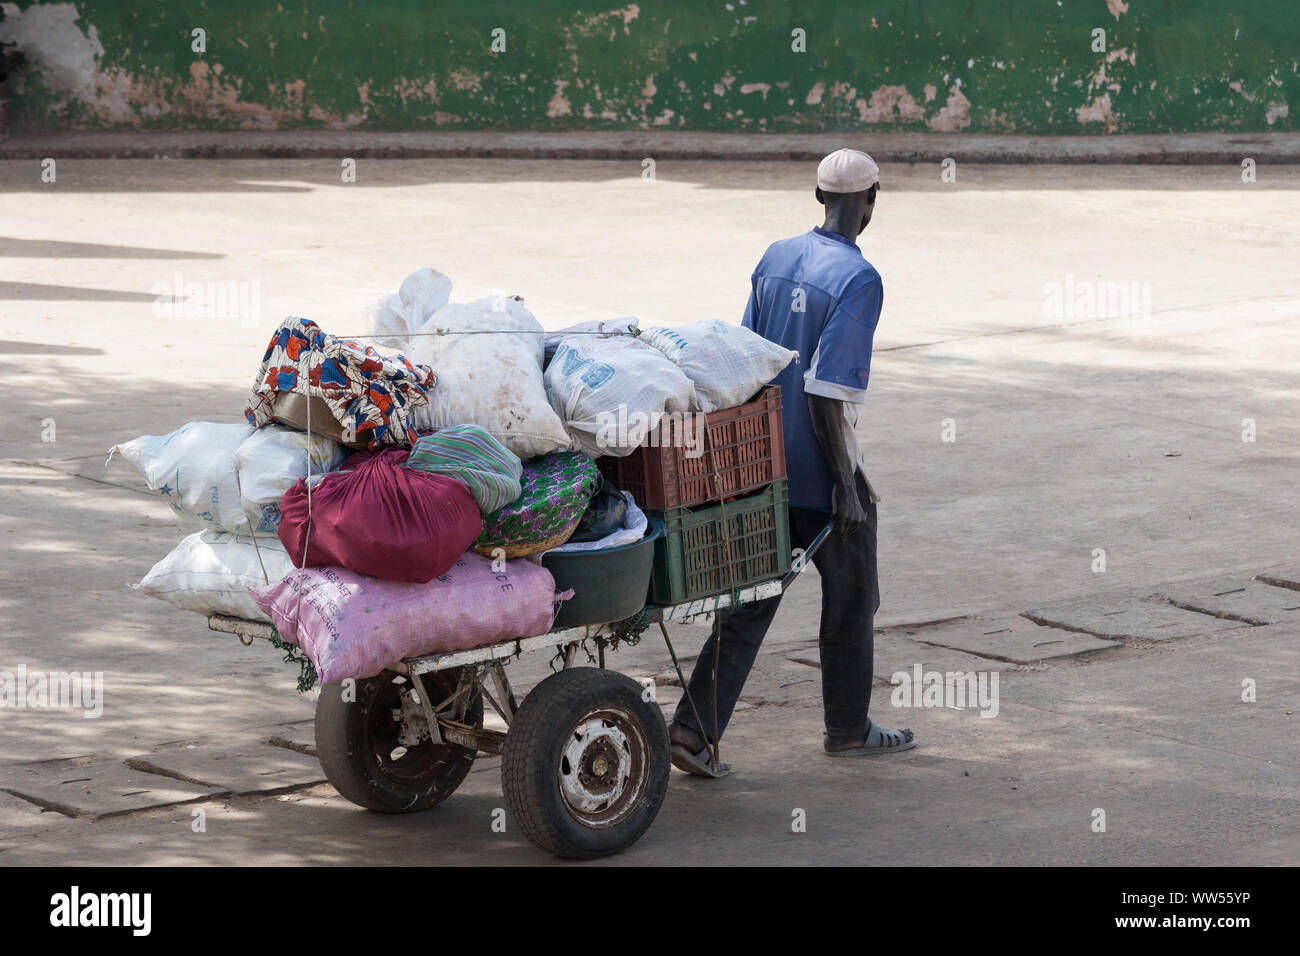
(729, 492)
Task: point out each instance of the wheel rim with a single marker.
(402, 763)
(603, 767)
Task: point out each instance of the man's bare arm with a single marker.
(828, 425)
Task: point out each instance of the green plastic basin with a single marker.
(608, 585)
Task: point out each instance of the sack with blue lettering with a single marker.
(270, 462)
(193, 470)
(728, 363)
(229, 477)
(602, 328)
(611, 393)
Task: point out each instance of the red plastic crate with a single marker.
(744, 445)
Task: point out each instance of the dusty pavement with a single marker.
(1025, 425)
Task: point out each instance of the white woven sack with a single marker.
(610, 392)
(211, 572)
(728, 363)
(271, 461)
(489, 374)
(193, 468)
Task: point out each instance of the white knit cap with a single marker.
(847, 171)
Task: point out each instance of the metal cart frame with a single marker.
(584, 757)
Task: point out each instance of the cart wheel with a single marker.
(376, 750)
(585, 764)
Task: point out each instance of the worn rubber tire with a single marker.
(535, 745)
(349, 734)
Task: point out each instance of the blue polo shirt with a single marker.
(815, 293)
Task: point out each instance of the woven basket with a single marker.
(532, 547)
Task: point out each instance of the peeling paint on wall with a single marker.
(66, 53)
(944, 65)
(1098, 111)
(889, 104)
(955, 114)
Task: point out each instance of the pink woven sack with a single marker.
(353, 625)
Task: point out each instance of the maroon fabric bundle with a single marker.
(381, 519)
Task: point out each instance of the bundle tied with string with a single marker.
(372, 395)
(310, 423)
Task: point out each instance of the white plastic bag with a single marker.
(193, 468)
(211, 572)
(611, 392)
(270, 462)
(490, 375)
(728, 363)
(632, 530)
(395, 317)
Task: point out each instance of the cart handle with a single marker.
(801, 562)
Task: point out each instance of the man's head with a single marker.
(847, 183)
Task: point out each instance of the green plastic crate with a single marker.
(691, 557)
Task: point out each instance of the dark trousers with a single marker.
(850, 598)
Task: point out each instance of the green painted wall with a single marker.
(990, 66)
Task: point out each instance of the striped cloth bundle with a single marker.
(473, 457)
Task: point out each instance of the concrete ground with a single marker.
(1078, 494)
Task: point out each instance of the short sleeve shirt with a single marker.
(816, 294)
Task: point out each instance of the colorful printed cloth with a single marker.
(370, 394)
(470, 454)
(556, 490)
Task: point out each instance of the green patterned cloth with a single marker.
(556, 490)
(468, 453)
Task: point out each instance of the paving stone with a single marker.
(95, 786)
(1013, 638)
(19, 816)
(896, 651)
(299, 735)
(1130, 617)
(243, 768)
(1238, 598)
(667, 696)
(778, 679)
(1281, 577)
